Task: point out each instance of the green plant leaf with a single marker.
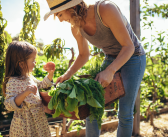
(80, 94)
(62, 85)
(93, 102)
(72, 104)
(73, 93)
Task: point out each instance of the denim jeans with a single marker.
(132, 73)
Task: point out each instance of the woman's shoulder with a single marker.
(107, 5)
(109, 12)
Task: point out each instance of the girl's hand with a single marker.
(31, 89)
(20, 97)
(50, 68)
(104, 78)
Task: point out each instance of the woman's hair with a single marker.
(17, 52)
(78, 13)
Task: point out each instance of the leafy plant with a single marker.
(3, 45)
(94, 51)
(5, 39)
(30, 21)
(159, 10)
(92, 68)
(77, 125)
(71, 94)
(155, 80)
(55, 49)
(61, 66)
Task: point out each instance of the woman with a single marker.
(104, 26)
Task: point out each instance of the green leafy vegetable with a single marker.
(73, 93)
(72, 103)
(93, 102)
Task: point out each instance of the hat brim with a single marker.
(64, 7)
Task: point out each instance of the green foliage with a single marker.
(8, 38)
(60, 65)
(30, 21)
(5, 39)
(71, 94)
(154, 87)
(92, 68)
(77, 125)
(3, 44)
(159, 10)
(55, 49)
(94, 51)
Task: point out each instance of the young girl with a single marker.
(21, 91)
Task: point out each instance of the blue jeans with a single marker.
(132, 73)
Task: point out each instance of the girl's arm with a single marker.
(49, 70)
(113, 19)
(20, 97)
(81, 59)
(14, 95)
(45, 83)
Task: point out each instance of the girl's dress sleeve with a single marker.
(43, 84)
(12, 90)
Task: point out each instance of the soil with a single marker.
(160, 128)
(146, 130)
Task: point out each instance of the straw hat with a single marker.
(59, 5)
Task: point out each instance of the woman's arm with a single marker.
(81, 59)
(83, 52)
(112, 18)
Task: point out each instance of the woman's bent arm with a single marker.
(81, 59)
(112, 18)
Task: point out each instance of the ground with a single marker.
(146, 130)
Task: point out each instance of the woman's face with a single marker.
(64, 16)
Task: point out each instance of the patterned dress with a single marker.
(29, 119)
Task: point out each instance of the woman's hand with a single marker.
(63, 78)
(104, 77)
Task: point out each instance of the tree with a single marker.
(5, 39)
(30, 21)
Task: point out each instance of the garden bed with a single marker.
(161, 128)
(110, 124)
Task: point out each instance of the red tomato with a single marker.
(49, 66)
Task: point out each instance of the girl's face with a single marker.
(64, 16)
(31, 61)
